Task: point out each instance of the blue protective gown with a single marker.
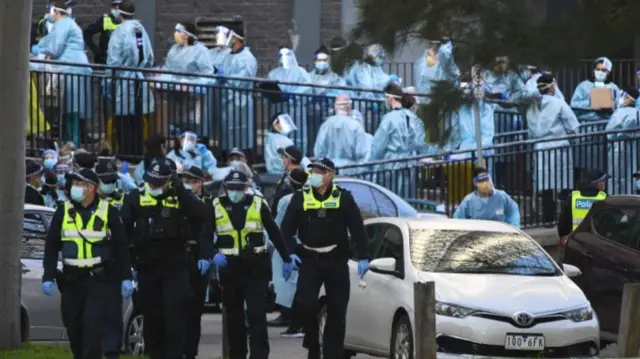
(590, 155)
(272, 159)
(622, 150)
(499, 206)
(444, 70)
(218, 54)
(366, 76)
(329, 80)
(123, 52)
(324, 97)
(296, 107)
(465, 120)
(510, 84)
(343, 140)
(284, 290)
(236, 118)
(65, 43)
(203, 159)
(550, 117)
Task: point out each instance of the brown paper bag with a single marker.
(601, 98)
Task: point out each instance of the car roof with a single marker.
(443, 223)
(33, 207)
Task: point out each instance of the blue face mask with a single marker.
(315, 180)
(61, 179)
(154, 192)
(188, 187)
(600, 76)
(115, 13)
(235, 196)
(108, 188)
(48, 18)
(50, 162)
(379, 61)
(235, 164)
(322, 66)
(77, 193)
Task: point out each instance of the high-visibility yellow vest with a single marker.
(224, 227)
(310, 201)
(147, 200)
(580, 206)
(108, 24)
(117, 203)
(79, 239)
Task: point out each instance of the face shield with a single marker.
(180, 29)
(287, 58)
(286, 124)
(188, 140)
(342, 107)
(483, 183)
(375, 53)
(223, 36)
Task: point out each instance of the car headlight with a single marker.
(452, 310)
(581, 314)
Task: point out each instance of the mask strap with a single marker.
(53, 8)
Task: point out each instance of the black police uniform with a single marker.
(89, 291)
(197, 281)
(104, 26)
(248, 271)
(32, 195)
(323, 223)
(284, 187)
(565, 221)
(159, 229)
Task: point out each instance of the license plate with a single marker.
(524, 342)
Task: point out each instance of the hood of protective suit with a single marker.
(288, 59)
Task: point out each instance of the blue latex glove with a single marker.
(220, 260)
(219, 71)
(126, 288)
(203, 266)
(35, 50)
(395, 79)
(363, 267)
(47, 288)
(124, 167)
(287, 269)
(295, 260)
(503, 96)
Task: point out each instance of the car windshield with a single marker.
(465, 251)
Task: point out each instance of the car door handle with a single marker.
(26, 270)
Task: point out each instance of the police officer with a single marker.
(292, 157)
(156, 220)
(237, 156)
(103, 26)
(34, 183)
(108, 175)
(240, 220)
(193, 181)
(578, 203)
(96, 264)
(323, 215)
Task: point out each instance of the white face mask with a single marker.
(600, 76)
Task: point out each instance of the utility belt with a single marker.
(248, 252)
(72, 273)
(305, 251)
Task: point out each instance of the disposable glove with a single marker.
(124, 167)
(287, 269)
(126, 288)
(295, 260)
(395, 79)
(363, 267)
(47, 288)
(35, 50)
(220, 260)
(203, 266)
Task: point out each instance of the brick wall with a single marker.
(266, 21)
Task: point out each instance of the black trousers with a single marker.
(164, 296)
(129, 134)
(334, 274)
(195, 310)
(246, 280)
(113, 329)
(85, 305)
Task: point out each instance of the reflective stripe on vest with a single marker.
(117, 203)
(147, 200)
(73, 230)
(224, 227)
(580, 205)
(108, 24)
(310, 201)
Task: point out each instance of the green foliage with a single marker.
(481, 30)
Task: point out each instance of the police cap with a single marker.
(32, 168)
(323, 163)
(193, 173)
(236, 181)
(84, 175)
(107, 172)
(158, 174)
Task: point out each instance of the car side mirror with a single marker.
(383, 265)
(571, 271)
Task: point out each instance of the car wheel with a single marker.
(134, 341)
(322, 321)
(402, 339)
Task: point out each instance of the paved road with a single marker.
(281, 348)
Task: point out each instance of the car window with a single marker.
(48, 216)
(33, 234)
(619, 225)
(467, 251)
(386, 207)
(33, 225)
(391, 246)
(375, 234)
(364, 198)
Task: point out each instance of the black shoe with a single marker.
(280, 321)
(293, 333)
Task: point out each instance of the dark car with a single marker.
(606, 248)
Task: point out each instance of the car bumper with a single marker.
(486, 337)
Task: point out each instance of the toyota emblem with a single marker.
(523, 319)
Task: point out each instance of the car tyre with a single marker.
(134, 338)
(322, 321)
(402, 339)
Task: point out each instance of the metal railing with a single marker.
(538, 174)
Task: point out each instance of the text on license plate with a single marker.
(524, 342)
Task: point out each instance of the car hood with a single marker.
(501, 293)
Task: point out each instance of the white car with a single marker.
(498, 293)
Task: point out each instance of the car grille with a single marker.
(452, 345)
(536, 321)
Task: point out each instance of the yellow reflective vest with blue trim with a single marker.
(332, 202)
(231, 240)
(108, 24)
(83, 244)
(580, 206)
